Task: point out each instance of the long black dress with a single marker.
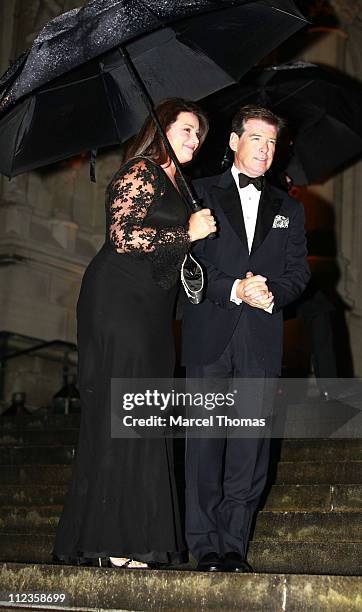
(122, 499)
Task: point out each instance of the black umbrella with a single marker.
(73, 91)
(321, 105)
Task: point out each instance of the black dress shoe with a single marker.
(210, 563)
(233, 562)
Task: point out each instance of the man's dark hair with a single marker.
(251, 111)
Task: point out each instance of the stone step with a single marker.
(110, 589)
(31, 495)
(44, 437)
(37, 474)
(61, 449)
(25, 454)
(38, 422)
(270, 526)
(327, 498)
(320, 449)
(288, 450)
(342, 558)
(32, 519)
(35, 455)
(319, 472)
(24, 548)
(288, 472)
(308, 527)
(338, 498)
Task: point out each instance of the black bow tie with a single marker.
(257, 181)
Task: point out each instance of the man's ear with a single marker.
(233, 141)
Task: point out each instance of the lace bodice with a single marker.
(146, 217)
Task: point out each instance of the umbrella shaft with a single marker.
(193, 200)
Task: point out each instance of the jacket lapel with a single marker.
(227, 196)
(269, 205)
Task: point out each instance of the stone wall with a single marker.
(339, 47)
(348, 188)
(51, 225)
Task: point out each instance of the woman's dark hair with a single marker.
(249, 111)
(148, 141)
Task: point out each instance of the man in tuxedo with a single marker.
(255, 266)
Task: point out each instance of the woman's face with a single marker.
(183, 135)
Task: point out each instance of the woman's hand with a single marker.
(201, 224)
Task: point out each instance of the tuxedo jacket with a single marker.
(278, 252)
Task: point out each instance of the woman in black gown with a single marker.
(122, 500)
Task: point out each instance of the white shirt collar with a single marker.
(235, 173)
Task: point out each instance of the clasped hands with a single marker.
(254, 291)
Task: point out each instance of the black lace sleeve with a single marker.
(130, 194)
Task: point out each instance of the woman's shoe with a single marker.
(125, 563)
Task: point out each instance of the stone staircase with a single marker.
(306, 547)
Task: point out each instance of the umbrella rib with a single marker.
(111, 107)
(291, 95)
(300, 17)
(65, 85)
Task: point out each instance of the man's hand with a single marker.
(254, 291)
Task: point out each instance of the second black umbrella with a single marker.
(322, 108)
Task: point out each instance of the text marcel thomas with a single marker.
(165, 401)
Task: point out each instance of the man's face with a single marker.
(254, 149)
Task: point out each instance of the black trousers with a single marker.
(225, 476)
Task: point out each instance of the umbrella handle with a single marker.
(194, 201)
(197, 205)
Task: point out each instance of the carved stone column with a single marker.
(341, 47)
(348, 188)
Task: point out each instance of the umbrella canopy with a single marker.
(72, 91)
(322, 108)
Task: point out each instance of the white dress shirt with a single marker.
(249, 200)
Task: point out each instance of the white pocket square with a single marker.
(280, 221)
